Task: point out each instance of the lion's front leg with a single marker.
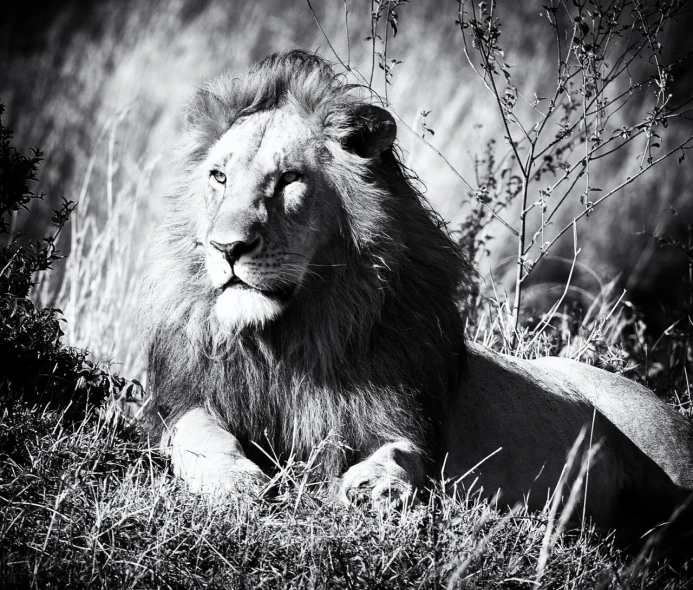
(210, 459)
(387, 478)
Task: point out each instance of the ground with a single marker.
(83, 505)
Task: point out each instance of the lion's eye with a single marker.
(289, 177)
(218, 176)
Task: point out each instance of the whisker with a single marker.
(292, 254)
(331, 265)
(310, 263)
(300, 269)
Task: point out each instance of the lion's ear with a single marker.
(372, 131)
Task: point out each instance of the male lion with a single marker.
(301, 288)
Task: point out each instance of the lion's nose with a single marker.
(232, 251)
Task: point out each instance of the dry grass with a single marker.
(118, 56)
(83, 507)
(98, 284)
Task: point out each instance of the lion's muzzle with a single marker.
(234, 250)
(226, 259)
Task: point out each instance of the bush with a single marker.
(37, 367)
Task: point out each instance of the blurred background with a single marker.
(99, 86)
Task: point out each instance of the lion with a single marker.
(301, 289)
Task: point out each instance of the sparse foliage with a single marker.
(607, 55)
(37, 367)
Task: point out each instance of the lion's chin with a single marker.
(238, 307)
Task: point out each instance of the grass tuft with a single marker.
(83, 506)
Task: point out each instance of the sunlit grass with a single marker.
(82, 505)
(98, 284)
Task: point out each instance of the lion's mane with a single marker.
(373, 343)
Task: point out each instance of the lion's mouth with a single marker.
(235, 282)
(282, 293)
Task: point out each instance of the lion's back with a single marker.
(662, 434)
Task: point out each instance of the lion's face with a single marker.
(266, 212)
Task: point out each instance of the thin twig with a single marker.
(625, 183)
(346, 33)
(456, 173)
(327, 39)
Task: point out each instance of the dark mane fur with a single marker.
(371, 345)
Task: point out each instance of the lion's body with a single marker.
(535, 410)
(301, 288)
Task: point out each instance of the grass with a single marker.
(84, 507)
(97, 285)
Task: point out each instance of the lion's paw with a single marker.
(243, 479)
(384, 487)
